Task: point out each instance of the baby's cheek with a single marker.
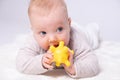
(65, 38)
(67, 41)
(44, 46)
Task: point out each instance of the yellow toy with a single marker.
(60, 54)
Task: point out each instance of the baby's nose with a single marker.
(52, 39)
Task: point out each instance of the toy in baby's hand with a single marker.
(61, 54)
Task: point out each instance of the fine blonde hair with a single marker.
(46, 6)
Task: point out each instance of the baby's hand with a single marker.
(47, 60)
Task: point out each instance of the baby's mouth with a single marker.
(56, 45)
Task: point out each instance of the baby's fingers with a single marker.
(46, 60)
(48, 66)
(71, 51)
(49, 55)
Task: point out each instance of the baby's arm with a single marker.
(85, 63)
(29, 58)
(86, 66)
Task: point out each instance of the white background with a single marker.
(106, 13)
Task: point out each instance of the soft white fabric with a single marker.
(92, 33)
(108, 54)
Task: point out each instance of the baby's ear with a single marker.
(69, 21)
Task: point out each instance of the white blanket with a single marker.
(108, 54)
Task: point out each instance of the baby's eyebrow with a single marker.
(40, 28)
(61, 24)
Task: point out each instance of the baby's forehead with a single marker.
(51, 16)
(43, 24)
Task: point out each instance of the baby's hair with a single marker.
(46, 6)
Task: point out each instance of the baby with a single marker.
(51, 24)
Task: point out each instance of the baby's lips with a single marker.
(55, 44)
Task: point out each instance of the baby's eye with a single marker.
(59, 29)
(43, 33)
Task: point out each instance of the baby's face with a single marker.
(50, 29)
